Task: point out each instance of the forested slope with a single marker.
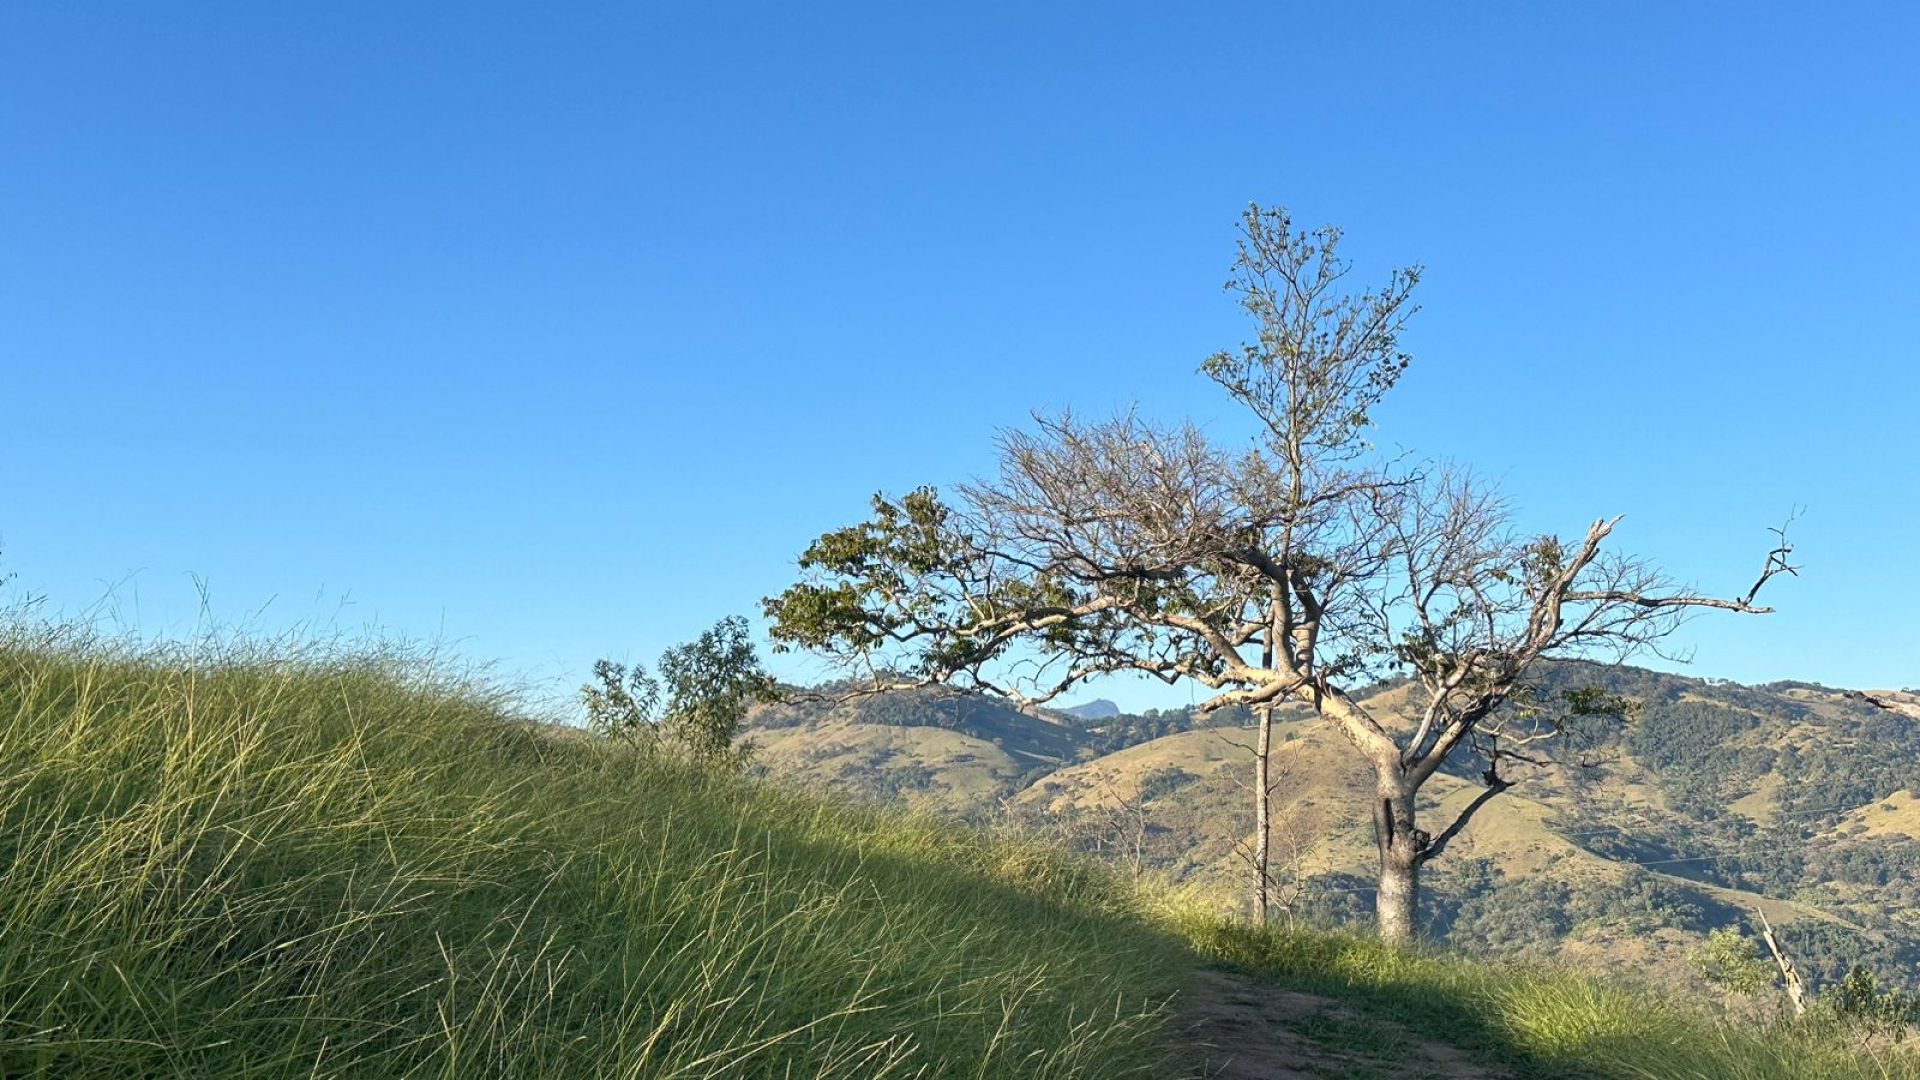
(1714, 799)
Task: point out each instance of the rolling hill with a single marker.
(264, 863)
(1716, 799)
(269, 864)
(934, 749)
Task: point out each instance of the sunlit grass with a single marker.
(272, 863)
(1541, 1021)
(255, 861)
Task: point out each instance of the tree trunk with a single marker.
(1400, 847)
(1796, 993)
(1262, 816)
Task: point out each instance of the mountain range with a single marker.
(1714, 801)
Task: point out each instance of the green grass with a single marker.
(1540, 1021)
(274, 865)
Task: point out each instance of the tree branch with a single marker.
(1495, 785)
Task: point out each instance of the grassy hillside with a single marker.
(929, 749)
(923, 768)
(1028, 737)
(1791, 798)
(256, 864)
(1521, 1020)
(262, 865)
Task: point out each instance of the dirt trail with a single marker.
(1245, 1030)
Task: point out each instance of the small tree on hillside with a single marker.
(1272, 887)
(1729, 959)
(1860, 1003)
(709, 684)
(1301, 567)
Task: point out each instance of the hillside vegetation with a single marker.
(1717, 799)
(270, 865)
(260, 863)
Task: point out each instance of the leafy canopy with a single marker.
(708, 685)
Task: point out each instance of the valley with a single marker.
(1714, 800)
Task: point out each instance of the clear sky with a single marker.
(554, 331)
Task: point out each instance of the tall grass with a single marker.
(267, 863)
(1542, 1021)
(270, 862)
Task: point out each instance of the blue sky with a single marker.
(556, 331)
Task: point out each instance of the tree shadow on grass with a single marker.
(1411, 991)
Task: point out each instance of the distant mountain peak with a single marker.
(1097, 709)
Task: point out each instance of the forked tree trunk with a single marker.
(1263, 816)
(1400, 846)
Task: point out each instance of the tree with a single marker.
(1730, 959)
(1858, 1002)
(1270, 888)
(710, 682)
(1127, 824)
(1125, 546)
(1263, 784)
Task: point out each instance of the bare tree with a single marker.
(1123, 546)
(1263, 812)
(1789, 975)
(1126, 825)
(1271, 889)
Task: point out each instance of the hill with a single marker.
(933, 749)
(264, 864)
(257, 864)
(1792, 798)
(1097, 709)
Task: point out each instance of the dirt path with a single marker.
(1245, 1030)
